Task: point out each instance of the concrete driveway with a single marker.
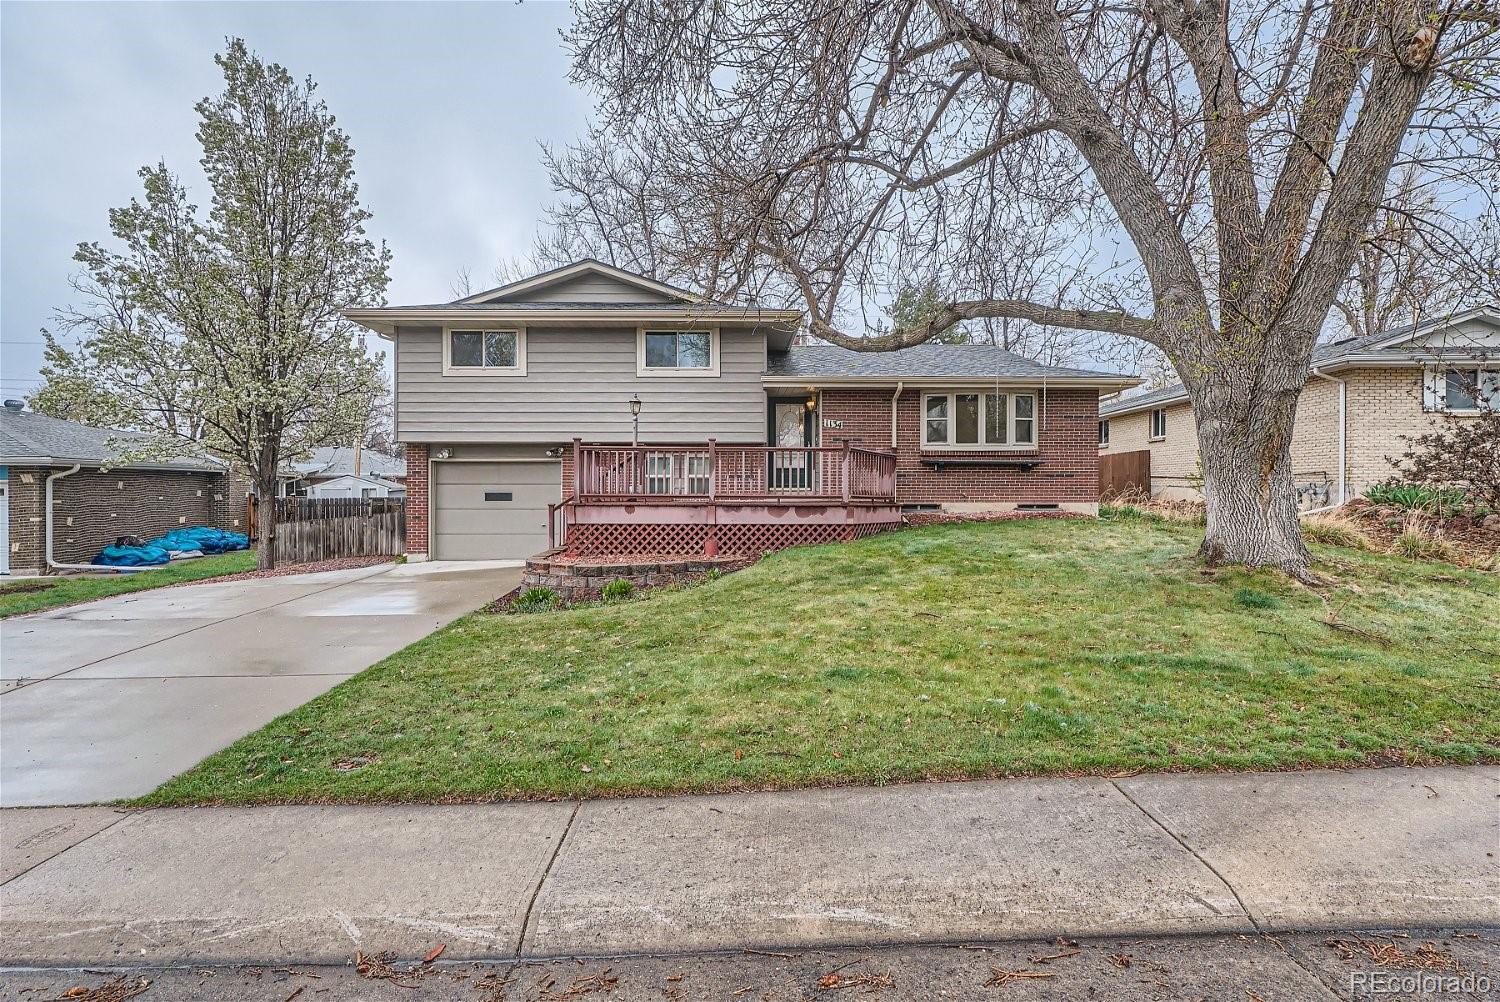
(109, 699)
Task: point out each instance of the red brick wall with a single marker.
(416, 498)
(1067, 445)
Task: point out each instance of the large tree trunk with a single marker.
(1244, 441)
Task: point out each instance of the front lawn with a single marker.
(37, 594)
(1045, 646)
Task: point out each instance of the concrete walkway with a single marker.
(107, 700)
(904, 864)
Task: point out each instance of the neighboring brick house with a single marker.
(94, 502)
(518, 408)
(1362, 396)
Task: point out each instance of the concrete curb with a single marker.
(1001, 860)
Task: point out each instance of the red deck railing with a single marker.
(713, 472)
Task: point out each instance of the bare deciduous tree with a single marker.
(1214, 165)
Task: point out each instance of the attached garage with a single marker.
(492, 510)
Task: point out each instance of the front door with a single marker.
(791, 429)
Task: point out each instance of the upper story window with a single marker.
(1104, 432)
(484, 352)
(684, 353)
(1158, 425)
(979, 420)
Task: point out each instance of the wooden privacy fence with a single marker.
(309, 529)
(1120, 472)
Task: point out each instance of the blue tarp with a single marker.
(132, 556)
(203, 539)
(198, 539)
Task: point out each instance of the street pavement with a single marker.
(1297, 967)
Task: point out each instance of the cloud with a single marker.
(445, 105)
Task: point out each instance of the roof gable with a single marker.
(585, 282)
(1477, 331)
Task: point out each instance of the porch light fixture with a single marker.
(635, 419)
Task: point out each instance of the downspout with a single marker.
(895, 398)
(47, 530)
(1343, 440)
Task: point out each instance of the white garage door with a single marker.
(492, 511)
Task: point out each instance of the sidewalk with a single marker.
(929, 863)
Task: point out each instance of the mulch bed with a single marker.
(315, 567)
(1385, 523)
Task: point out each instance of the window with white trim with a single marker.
(1158, 423)
(1104, 431)
(1468, 389)
(678, 350)
(478, 350)
(675, 473)
(979, 420)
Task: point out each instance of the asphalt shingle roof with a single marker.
(338, 461)
(548, 306)
(25, 435)
(1323, 355)
(965, 361)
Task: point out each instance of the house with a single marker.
(1362, 395)
(92, 499)
(602, 411)
(351, 486)
(345, 472)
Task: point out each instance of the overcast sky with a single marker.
(445, 104)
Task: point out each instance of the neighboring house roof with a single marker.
(31, 439)
(1387, 347)
(331, 461)
(924, 362)
(390, 485)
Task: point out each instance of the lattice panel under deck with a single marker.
(609, 539)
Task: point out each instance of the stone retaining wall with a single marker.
(577, 580)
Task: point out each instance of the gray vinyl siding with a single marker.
(590, 289)
(578, 383)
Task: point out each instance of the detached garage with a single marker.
(492, 510)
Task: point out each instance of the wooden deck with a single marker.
(713, 498)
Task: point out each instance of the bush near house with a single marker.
(965, 650)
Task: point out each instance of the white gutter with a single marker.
(47, 530)
(1343, 439)
(895, 397)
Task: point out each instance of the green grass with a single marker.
(1047, 646)
(38, 594)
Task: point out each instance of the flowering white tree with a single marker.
(223, 327)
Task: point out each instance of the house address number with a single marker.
(829, 422)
